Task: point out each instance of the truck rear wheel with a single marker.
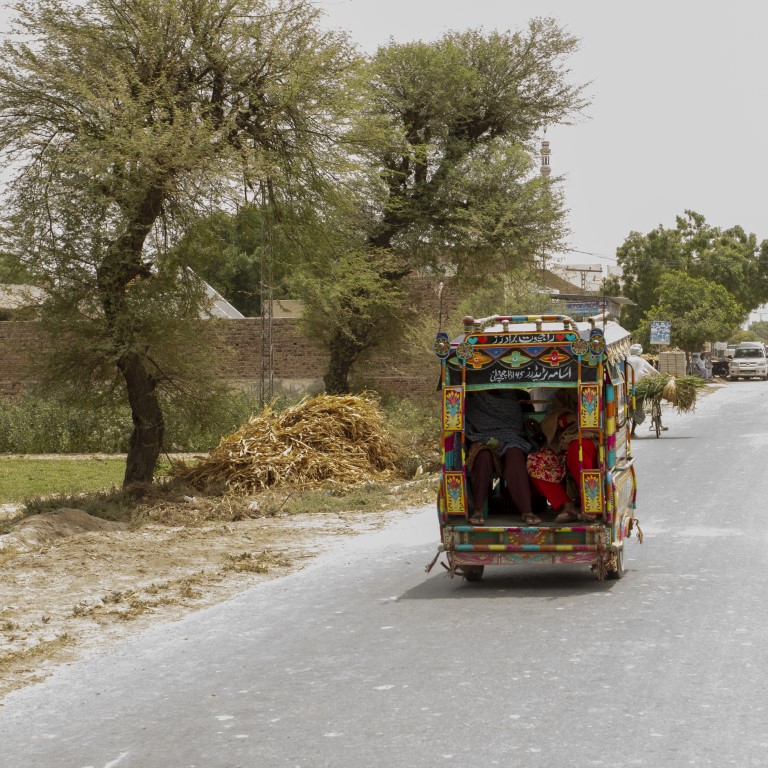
(618, 565)
(473, 572)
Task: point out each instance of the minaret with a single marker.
(545, 169)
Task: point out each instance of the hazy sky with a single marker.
(678, 91)
(679, 103)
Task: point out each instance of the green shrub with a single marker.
(36, 424)
(33, 424)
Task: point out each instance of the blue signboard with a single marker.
(661, 332)
(584, 308)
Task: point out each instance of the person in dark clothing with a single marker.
(497, 445)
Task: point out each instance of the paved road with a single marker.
(364, 660)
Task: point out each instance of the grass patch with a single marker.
(27, 478)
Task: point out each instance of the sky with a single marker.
(679, 92)
(678, 113)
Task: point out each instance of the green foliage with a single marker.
(124, 121)
(258, 249)
(36, 424)
(742, 335)
(350, 296)
(698, 309)
(727, 257)
(446, 130)
(460, 113)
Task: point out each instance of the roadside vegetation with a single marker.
(44, 482)
(39, 423)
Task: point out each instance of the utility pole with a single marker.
(266, 367)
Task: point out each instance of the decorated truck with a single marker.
(532, 356)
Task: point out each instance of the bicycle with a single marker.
(656, 417)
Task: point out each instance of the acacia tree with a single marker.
(124, 119)
(446, 131)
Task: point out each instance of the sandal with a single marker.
(531, 519)
(568, 513)
(477, 519)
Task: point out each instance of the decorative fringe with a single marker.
(601, 570)
(639, 531)
(434, 559)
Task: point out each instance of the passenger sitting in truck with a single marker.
(560, 430)
(497, 444)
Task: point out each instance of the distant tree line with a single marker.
(703, 279)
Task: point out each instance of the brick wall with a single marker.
(298, 363)
(20, 344)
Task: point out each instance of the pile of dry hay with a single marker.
(328, 439)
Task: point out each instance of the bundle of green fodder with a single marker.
(329, 439)
(680, 391)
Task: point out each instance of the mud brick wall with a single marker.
(20, 344)
(298, 364)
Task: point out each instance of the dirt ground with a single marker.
(70, 581)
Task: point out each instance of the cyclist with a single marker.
(642, 368)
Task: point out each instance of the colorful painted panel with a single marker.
(592, 491)
(442, 345)
(501, 339)
(478, 360)
(534, 373)
(589, 410)
(455, 493)
(624, 491)
(533, 358)
(621, 404)
(453, 409)
(554, 358)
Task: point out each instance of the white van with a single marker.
(749, 361)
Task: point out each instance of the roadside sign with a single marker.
(661, 332)
(581, 308)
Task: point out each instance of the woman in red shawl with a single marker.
(561, 431)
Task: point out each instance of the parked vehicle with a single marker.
(721, 366)
(749, 361)
(555, 353)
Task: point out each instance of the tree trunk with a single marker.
(344, 353)
(122, 263)
(148, 425)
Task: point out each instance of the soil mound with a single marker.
(48, 528)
